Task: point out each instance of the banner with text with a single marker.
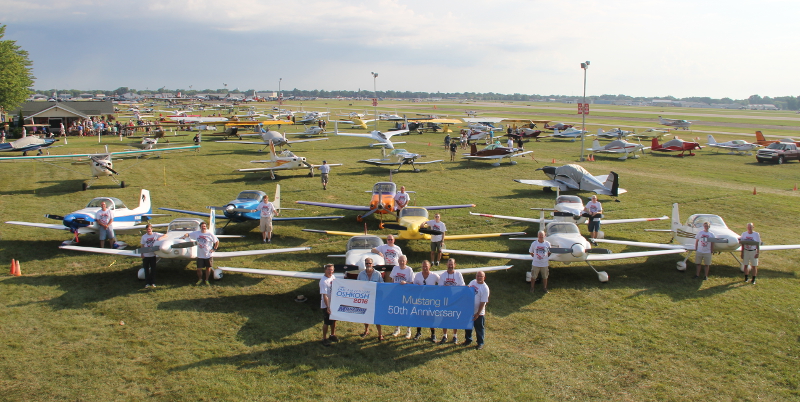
(404, 305)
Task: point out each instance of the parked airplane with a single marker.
(567, 245)
(558, 126)
(311, 117)
(408, 224)
(575, 177)
(675, 145)
(398, 157)
(286, 160)
(613, 134)
(381, 138)
(725, 240)
(381, 203)
(650, 134)
(29, 143)
(618, 147)
(242, 209)
(761, 140)
(494, 152)
(175, 246)
(100, 164)
(311, 131)
(570, 133)
(358, 249)
(270, 137)
(684, 124)
(741, 146)
(83, 220)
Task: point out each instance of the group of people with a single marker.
(704, 248)
(403, 274)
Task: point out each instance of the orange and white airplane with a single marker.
(381, 203)
(286, 160)
(761, 140)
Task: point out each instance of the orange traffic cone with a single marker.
(795, 186)
(17, 272)
(554, 161)
(754, 191)
(13, 267)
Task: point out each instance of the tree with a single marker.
(15, 73)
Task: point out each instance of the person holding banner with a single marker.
(451, 277)
(426, 277)
(402, 274)
(370, 274)
(325, 289)
(481, 298)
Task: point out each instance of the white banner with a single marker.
(353, 301)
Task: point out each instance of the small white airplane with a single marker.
(399, 157)
(390, 117)
(725, 240)
(174, 246)
(575, 177)
(100, 164)
(286, 160)
(650, 133)
(569, 208)
(570, 133)
(270, 137)
(185, 118)
(734, 146)
(358, 249)
(83, 221)
(567, 245)
(684, 124)
(311, 131)
(29, 143)
(494, 152)
(613, 134)
(618, 147)
(381, 138)
(312, 117)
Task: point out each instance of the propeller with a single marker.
(430, 231)
(143, 250)
(395, 226)
(186, 244)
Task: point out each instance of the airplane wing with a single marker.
(243, 142)
(447, 206)
(482, 235)
(99, 154)
(337, 206)
(355, 135)
(126, 253)
(619, 256)
(547, 183)
(379, 162)
(641, 244)
(306, 140)
(230, 254)
(515, 218)
(39, 225)
(291, 274)
(427, 162)
(275, 219)
(509, 256)
(477, 269)
(780, 247)
(204, 214)
(613, 221)
(338, 233)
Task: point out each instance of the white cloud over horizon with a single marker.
(639, 48)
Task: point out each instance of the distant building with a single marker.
(55, 113)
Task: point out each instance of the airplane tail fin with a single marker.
(144, 201)
(541, 221)
(760, 136)
(596, 144)
(272, 154)
(212, 221)
(654, 144)
(473, 149)
(612, 182)
(555, 131)
(600, 131)
(711, 140)
(676, 217)
(277, 201)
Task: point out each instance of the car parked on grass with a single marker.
(778, 152)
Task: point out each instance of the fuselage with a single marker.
(685, 234)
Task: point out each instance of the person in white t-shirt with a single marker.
(479, 319)
(451, 277)
(265, 223)
(324, 171)
(390, 252)
(325, 290)
(149, 259)
(540, 251)
(750, 252)
(437, 241)
(371, 275)
(595, 211)
(426, 278)
(207, 243)
(105, 218)
(703, 249)
(401, 200)
(402, 274)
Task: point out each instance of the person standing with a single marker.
(446, 141)
(324, 170)
(402, 274)
(325, 290)
(390, 252)
(453, 149)
(595, 211)
(451, 277)
(401, 200)
(370, 274)
(426, 278)
(540, 251)
(703, 249)
(149, 259)
(437, 241)
(207, 243)
(750, 252)
(479, 319)
(510, 142)
(105, 218)
(265, 223)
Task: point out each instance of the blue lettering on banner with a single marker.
(424, 306)
(352, 309)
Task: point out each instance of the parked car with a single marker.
(778, 152)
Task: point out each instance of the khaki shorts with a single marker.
(324, 178)
(205, 263)
(265, 225)
(535, 272)
(702, 258)
(750, 258)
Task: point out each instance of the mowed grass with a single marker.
(78, 326)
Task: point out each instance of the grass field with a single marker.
(78, 326)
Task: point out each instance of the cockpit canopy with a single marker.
(384, 188)
(251, 195)
(696, 221)
(185, 225)
(287, 154)
(561, 228)
(413, 211)
(364, 243)
(111, 203)
(568, 199)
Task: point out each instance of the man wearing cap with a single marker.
(324, 170)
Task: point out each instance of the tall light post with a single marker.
(584, 66)
(375, 101)
(279, 94)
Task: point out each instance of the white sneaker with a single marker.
(396, 332)
(146, 286)
(408, 334)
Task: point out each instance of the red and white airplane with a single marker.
(675, 145)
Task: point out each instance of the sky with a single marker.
(647, 48)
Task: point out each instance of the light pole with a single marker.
(279, 94)
(375, 101)
(584, 66)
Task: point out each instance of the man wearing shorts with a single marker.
(267, 211)
(594, 210)
(207, 242)
(325, 290)
(105, 217)
(436, 240)
(540, 251)
(750, 252)
(703, 248)
(324, 170)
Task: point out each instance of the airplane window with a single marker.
(184, 226)
(562, 229)
(713, 220)
(414, 212)
(249, 195)
(568, 199)
(95, 203)
(384, 188)
(363, 243)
